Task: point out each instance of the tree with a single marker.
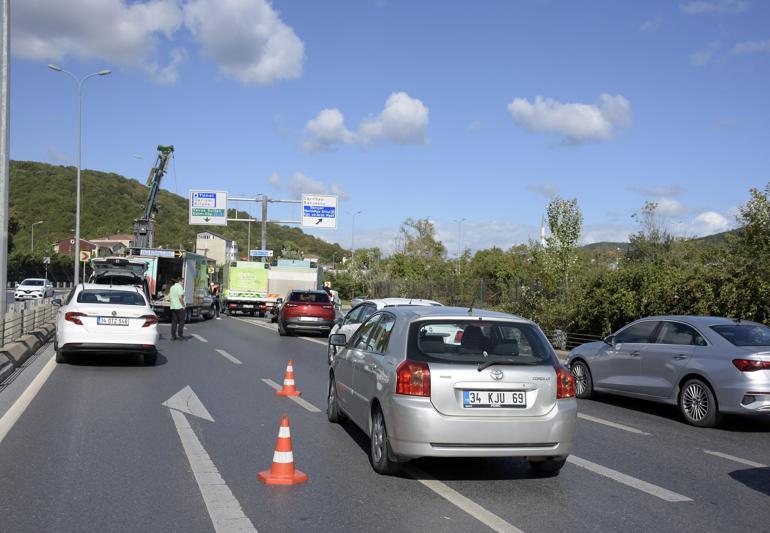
(420, 239)
(653, 242)
(565, 222)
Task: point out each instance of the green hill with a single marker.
(111, 202)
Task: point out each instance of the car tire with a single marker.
(333, 412)
(549, 467)
(331, 352)
(150, 359)
(60, 357)
(584, 384)
(698, 404)
(380, 454)
(281, 330)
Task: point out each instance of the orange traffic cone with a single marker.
(282, 472)
(288, 382)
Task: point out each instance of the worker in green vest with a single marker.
(178, 311)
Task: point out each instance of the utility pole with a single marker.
(5, 72)
(264, 225)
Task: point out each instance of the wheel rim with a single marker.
(581, 378)
(378, 438)
(695, 402)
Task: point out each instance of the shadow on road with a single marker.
(111, 360)
(754, 478)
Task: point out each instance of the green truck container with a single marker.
(244, 288)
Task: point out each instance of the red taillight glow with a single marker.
(74, 317)
(751, 365)
(149, 320)
(413, 378)
(565, 383)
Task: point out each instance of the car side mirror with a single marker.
(609, 339)
(56, 302)
(338, 339)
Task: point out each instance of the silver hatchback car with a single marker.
(453, 382)
(705, 365)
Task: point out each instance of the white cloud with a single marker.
(301, 184)
(403, 120)
(700, 7)
(708, 223)
(576, 122)
(651, 25)
(246, 38)
(707, 55)
(751, 47)
(117, 31)
(669, 208)
(668, 190)
(549, 190)
(274, 180)
(167, 75)
(605, 233)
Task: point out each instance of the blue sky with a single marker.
(447, 110)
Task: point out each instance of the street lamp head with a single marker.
(55, 67)
(104, 72)
(39, 221)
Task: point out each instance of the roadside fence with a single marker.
(25, 318)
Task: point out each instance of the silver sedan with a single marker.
(706, 365)
(451, 382)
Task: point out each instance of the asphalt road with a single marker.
(97, 451)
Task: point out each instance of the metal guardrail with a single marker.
(564, 340)
(25, 318)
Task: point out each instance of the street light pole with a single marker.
(353, 233)
(32, 240)
(79, 83)
(5, 72)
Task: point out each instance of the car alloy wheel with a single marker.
(583, 382)
(379, 453)
(695, 402)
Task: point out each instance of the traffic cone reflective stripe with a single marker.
(282, 471)
(288, 382)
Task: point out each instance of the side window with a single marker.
(353, 317)
(681, 334)
(637, 333)
(367, 311)
(381, 334)
(69, 296)
(361, 340)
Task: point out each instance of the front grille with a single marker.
(496, 445)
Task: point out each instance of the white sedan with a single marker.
(33, 289)
(99, 319)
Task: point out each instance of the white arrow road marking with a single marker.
(296, 399)
(229, 357)
(223, 508)
(736, 459)
(625, 479)
(612, 424)
(198, 337)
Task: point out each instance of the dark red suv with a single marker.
(306, 311)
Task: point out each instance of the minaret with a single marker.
(542, 232)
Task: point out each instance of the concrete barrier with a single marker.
(15, 354)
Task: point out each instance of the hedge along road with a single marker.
(97, 450)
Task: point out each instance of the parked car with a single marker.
(707, 366)
(498, 392)
(310, 311)
(356, 316)
(33, 289)
(104, 320)
(358, 300)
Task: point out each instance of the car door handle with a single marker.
(635, 353)
(680, 357)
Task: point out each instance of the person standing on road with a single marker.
(214, 290)
(178, 311)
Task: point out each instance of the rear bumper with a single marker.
(416, 429)
(744, 394)
(318, 325)
(108, 349)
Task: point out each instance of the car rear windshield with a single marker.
(474, 341)
(309, 297)
(110, 297)
(38, 282)
(745, 334)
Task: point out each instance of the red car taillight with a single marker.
(565, 383)
(74, 317)
(751, 365)
(149, 320)
(413, 378)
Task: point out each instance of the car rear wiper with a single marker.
(487, 364)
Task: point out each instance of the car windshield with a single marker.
(309, 297)
(92, 296)
(745, 334)
(35, 282)
(472, 341)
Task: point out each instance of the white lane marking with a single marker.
(736, 459)
(198, 337)
(481, 514)
(612, 424)
(223, 508)
(296, 399)
(13, 414)
(271, 327)
(625, 479)
(188, 402)
(228, 356)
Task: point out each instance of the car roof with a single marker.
(102, 287)
(414, 312)
(700, 321)
(33, 279)
(387, 302)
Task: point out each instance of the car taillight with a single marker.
(413, 378)
(565, 383)
(74, 317)
(149, 320)
(751, 365)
